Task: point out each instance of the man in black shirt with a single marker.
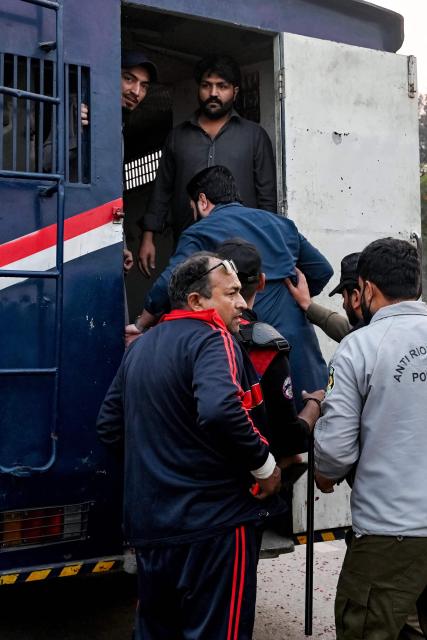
(214, 135)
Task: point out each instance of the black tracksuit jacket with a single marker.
(185, 408)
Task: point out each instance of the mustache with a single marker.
(212, 99)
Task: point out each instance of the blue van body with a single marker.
(61, 276)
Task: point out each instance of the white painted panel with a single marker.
(351, 144)
(331, 510)
(351, 139)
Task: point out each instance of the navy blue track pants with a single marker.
(205, 590)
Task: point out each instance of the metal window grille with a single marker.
(77, 136)
(142, 171)
(28, 117)
(27, 105)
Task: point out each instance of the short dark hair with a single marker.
(393, 266)
(188, 277)
(351, 286)
(217, 183)
(223, 65)
(247, 259)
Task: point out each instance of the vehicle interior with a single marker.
(175, 44)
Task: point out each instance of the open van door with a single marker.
(347, 152)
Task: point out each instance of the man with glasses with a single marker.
(194, 449)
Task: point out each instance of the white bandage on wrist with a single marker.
(266, 470)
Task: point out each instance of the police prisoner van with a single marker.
(341, 110)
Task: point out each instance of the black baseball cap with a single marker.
(137, 59)
(349, 273)
(244, 255)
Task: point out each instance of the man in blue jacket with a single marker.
(216, 202)
(182, 403)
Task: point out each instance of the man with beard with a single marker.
(216, 202)
(332, 323)
(137, 74)
(374, 414)
(214, 135)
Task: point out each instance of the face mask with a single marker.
(365, 309)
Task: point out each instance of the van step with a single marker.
(273, 545)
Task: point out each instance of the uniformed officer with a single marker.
(374, 414)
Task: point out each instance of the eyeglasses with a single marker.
(228, 265)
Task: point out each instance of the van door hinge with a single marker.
(281, 84)
(412, 76)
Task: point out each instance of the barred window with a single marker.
(29, 112)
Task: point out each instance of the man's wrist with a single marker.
(266, 470)
(148, 236)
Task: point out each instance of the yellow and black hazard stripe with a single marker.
(65, 570)
(327, 535)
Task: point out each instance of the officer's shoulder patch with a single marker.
(331, 379)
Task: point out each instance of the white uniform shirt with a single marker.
(375, 411)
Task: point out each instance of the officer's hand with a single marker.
(270, 485)
(319, 394)
(147, 255)
(300, 292)
(326, 485)
(131, 334)
(84, 114)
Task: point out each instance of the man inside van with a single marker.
(137, 74)
(214, 135)
(216, 202)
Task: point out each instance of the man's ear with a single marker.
(194, 302)
(236, 91)
(370, 291)
(261, 282)
(355, 299)
(203, 202)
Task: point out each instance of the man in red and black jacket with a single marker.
(268, 351)
(183, 404)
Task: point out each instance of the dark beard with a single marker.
(352, 317)
(225, 108)
(366, 311)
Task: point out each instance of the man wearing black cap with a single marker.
(268, 351)
(332, 323)
(137, 73)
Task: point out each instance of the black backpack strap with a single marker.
(263, 335)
